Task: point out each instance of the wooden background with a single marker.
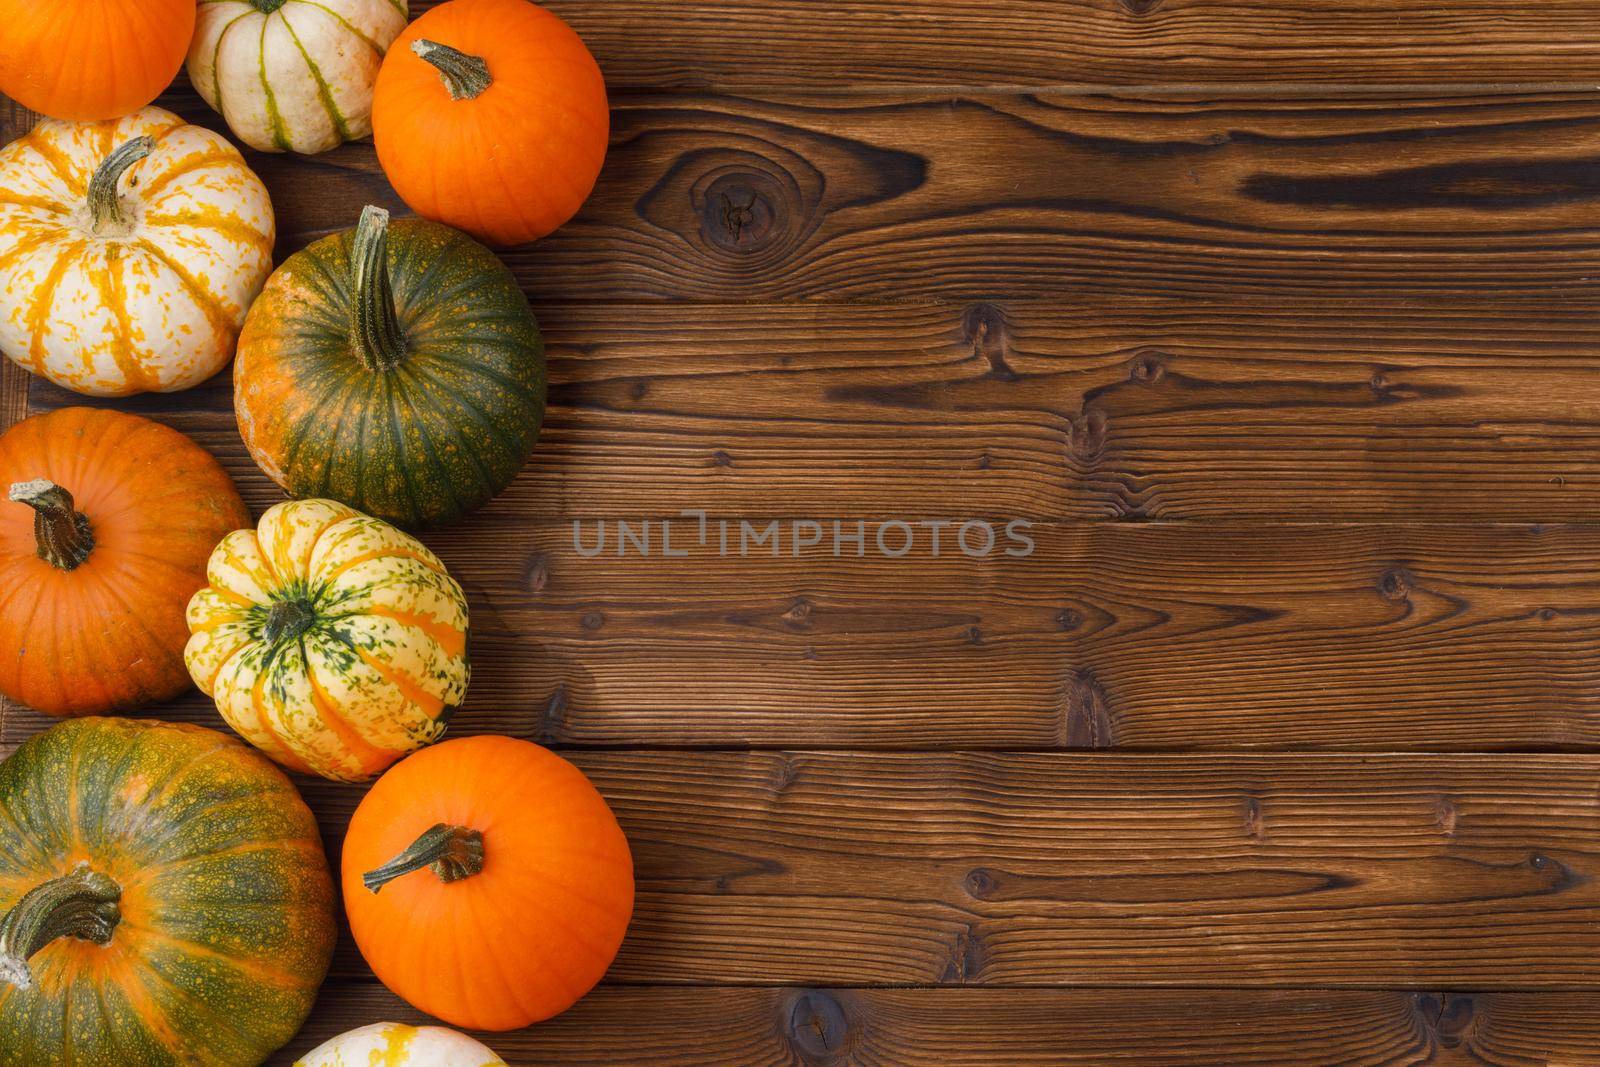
(1279, 321)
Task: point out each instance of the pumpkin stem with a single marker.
(465, 76)
(379, 342)
(82, 904)
(288, 619)
(62, 532)
(267, 7)
(105, 206)
(451, 852)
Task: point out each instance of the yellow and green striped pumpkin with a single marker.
(164, 899)
(293, 75)
(330, 640)
(397, 369)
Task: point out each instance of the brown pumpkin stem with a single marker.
(82, 904)
(466, 76)
(375, 331)
(451, 852)
(105, 206)
(62, 532)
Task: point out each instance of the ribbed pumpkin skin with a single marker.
(530, 933)
(419, 444)
(297, 78)
(374, 668)
(54, 55)
(109, 634)
(152, 301)
(227, 904)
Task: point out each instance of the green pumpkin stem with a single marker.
(267, 7)
(82, 904)
(379, 342)
(451, 852)
(466, 76)
(105, 206)
(62, 532)
(288, 619)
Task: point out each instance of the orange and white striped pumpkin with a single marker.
(399, 1045)
(330, 640)
(130, 251)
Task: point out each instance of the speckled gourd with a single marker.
(332, 641)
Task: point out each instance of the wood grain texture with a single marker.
(1124, 409)
(842, 46)
(667, 1026)
(1425, 638)
(804, 868)
(1067, 197)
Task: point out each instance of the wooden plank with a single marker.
(1067, 197)
(847, 45)
(1064, 196)
(1160, 637)
(1131, 409)
(1425, 638)
(666, 1026)
(804, 868)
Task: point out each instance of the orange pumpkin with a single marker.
(111, 521)
(487, 882)
(89, 60)
(491, 115)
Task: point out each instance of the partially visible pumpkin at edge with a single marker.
(105, 537)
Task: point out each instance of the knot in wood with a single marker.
(1147, 368)
(1395, 585)
(817, 1027)
(742, 212)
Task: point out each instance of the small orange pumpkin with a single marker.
(111, 521)
(487, 882)
(89, 60)
(491, 116)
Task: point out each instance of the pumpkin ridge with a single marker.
(267, 726)
(340, 19)
(447, 425)
(254, 969)
(448, 638)
(280, 137)
(220, 319)
(24, 246)
(152, 189)
(58, 161)
(492, 433)
(425, 438)
(397, 440)
(198, 1005)
(156, 793)
(227, 225)
(44, 303)
(114, 296)
(324, 93)
(369, 757)
(39, 203)
(216, 53)
(130, 616)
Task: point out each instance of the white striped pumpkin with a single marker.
(330, 640)
(399, 1045)
(293, 75)
(130, 251)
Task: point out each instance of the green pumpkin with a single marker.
(394, 368)
(164, 899)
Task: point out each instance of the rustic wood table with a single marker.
(1278, 323)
